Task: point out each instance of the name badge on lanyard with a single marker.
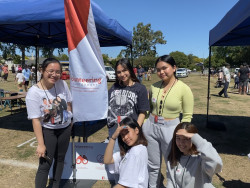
(118, 119)
(159, 120)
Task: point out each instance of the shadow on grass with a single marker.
(234, 139)
(17, 121)
(235, 184)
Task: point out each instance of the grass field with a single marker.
(232, 143)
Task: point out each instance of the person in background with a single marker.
(135, 71)
(168, 98)
(39, 74)
(32, 76)
(236, 81)
(52, 131)
(1, 69)
(26, 73)
(192, 161)
(140, 73)
(227, 78)
(5, 71)
(20, 80)
(131, 162)
(149, 73)
(243, 78)
(13, 69)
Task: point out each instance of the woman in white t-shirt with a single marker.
(131, 162)
(20, 80)
(46, 101)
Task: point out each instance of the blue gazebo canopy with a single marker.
(41, 23)
(234, 28)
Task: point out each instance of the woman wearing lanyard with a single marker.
(52, 130)
(192, 160)
(168, 99)
(127, 97)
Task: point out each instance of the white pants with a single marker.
(159, 139)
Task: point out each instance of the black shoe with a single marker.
(227, 97)
(219, 95)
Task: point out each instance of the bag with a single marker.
(2, 73)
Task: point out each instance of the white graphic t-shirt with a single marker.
(50, 105)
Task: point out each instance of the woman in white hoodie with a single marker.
(192, 160)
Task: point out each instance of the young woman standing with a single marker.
(168, 97)
(51, 129)
(127, 97)
(131, 162)
(192, 160)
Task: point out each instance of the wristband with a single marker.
(113, 138)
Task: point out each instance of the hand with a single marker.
(40, 150)
(118, 131)
(183, 132)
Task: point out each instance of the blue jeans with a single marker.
(140, 78)
(224, 90)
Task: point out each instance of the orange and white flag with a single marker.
(87, 74)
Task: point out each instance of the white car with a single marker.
(181, 73)
(110, 73)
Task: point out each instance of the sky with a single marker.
(185, 24)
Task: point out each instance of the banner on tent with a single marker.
(89, 162)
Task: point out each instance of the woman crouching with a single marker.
(131, 162)
(192, 160)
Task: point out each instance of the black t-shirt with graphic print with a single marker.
(126, 101)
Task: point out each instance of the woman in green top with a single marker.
(168, 99)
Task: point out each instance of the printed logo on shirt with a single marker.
(121, 104)
(178, 171)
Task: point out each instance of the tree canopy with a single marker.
(144, 42)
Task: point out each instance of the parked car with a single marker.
(110, 73)
(236, 70)
(181, 73)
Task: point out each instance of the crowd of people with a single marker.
(25, 77)
(137, 139)
(241, 79)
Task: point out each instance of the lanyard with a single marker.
(184, 170)
(46, 93)
(157, 111)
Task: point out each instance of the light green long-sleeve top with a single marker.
(179, 100)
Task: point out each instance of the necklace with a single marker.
(184, 170)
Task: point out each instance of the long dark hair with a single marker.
(128, 121)
(167, 59)
(175, 154)
(126, 65)
(48, 61)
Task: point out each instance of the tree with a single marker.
(144, 41)
(145, 61)
(180, 58)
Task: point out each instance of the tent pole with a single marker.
(131, 54)
(208, 88)
(37, 56)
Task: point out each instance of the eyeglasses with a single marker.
(51, 72)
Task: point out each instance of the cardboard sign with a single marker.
(89, 162)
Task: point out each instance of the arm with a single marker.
(187, 104)
(211, 162)
(41, 148)
(108, 155)
(141, 118)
